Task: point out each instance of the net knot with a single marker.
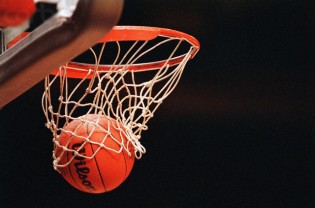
(139, 149)
(50, 108)
(160, 101)
(50, 124)
(147, 84)
(88, 90)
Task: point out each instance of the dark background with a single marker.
(238, 131)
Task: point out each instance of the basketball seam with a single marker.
(126, 168)
(71, 173)
(98, 169)
(99, 172)
(122, 152)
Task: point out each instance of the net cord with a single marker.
(116, 93)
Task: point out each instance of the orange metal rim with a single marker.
(129, 33)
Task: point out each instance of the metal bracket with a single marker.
(53, 43)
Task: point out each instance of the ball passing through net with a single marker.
(124, 78)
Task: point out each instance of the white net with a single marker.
(124, 81)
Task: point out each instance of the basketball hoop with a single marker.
(125, 78)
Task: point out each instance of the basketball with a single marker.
(94, 160)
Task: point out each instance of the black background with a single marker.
(236, 132)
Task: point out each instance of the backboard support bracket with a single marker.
(53, 43)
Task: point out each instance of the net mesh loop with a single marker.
(125, 81)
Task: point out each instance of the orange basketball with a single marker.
(106, 169)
